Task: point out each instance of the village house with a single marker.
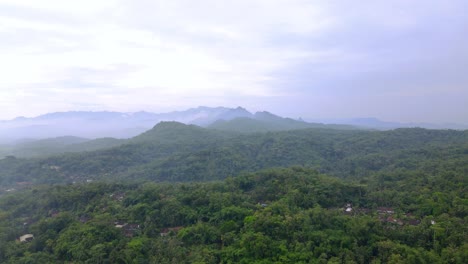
(348, 209)
(117, 196)
(129, 230)
(385, 210)
(119, 224)
(167, 231)
(26, 238)
(392, 220)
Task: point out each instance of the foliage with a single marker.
(184, 194)
(290, 215)
(175, 152)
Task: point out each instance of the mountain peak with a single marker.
(95, 124)
(169, 125)
(167, 130)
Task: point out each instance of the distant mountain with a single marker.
(126, 125)
(265, 121)
(107, 124)
(374, 123)
(229, 121)
(176, 133)
(58, 145)
(203, 116)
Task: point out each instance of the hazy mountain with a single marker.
(107, 124)
(125, 125)
(374, 123)
(58, 145)
(63, 132)
(265, 121)
(177, 133)
(203, 116)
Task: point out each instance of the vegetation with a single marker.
(266, 122)
(185, 194)
(176, 152)
(291, 215)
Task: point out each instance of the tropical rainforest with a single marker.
(185, 194)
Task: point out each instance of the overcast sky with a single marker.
(394, 60)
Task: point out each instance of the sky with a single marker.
(403, 61)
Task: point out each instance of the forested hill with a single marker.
(178, 133)
(265, 122)
(159, 198)
(274, 216)
(176, 152)
(246, 123)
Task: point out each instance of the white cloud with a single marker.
(75, 8)
(174, 48)
(152, 55)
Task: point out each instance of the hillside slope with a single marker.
(290, 215)
(177, 152)
(265, 122)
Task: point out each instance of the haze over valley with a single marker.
(124, 125)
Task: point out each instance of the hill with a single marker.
(176, 152)
(108, 124)
(126, 125)
(374, 123)
(186, 194)
(290, 215)
(265, 121)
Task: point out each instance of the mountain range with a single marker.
(91, 125)
(316, 182)
(126, 125)
(173, 151)
(374, 123)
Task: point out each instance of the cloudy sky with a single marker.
(394, 60)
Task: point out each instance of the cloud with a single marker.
(164, 55)
(174, 50)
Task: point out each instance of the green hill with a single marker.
(177, 133)
(293, 215)
(176, 152)
(265, 122)
(186, 194)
